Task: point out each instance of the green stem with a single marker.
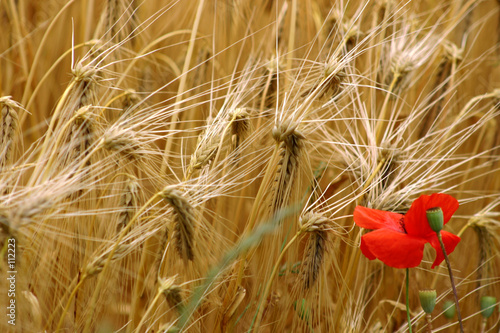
(451, 280)
(408, 298)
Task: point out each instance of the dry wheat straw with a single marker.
(268, 98)
(38, 56)
(183, 80)
(310, 223)
(84, 86)
(378, 105)
(291, 43)
(111, 17)
(445, 78)
(95, 267)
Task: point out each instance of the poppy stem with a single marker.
(408, 298)
(428, 321)
(451, 280)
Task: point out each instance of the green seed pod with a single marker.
(427, 300)
(435, 218)
(487, 306)
(449, 309)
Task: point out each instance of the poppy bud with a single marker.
(435, 218)
(449, 309)
(427, 300)
(487, 305)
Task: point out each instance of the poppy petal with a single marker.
(450, 242)
(365, 250)
(377, 219)
(416, 223)
(395, 249)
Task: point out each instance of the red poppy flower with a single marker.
(398, 240)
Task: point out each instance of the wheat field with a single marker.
(194, 165)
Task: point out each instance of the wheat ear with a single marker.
(290, 141)
(318, 227)
(128, 202)
(8, 127)
(184, 220)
